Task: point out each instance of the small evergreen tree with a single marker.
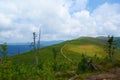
(3, 50)
(110, 47)
(83, 64)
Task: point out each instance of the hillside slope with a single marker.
(72, 49)
(69, 56)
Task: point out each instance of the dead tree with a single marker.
(35, 48)
(36, 45)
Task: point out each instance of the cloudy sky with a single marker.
(58, 19)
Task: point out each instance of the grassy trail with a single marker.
(64, 54)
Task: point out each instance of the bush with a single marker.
(83, 64)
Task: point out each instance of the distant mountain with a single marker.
(16, 48)
(49, 43)
(71, 48)
(116, 42)
(41, 43)
(103, 38)
(79, 45)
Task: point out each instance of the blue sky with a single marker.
(58, 19)
(93, 4)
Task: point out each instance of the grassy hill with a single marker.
(73, 48)
(69, 55)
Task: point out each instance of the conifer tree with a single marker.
(111, 47)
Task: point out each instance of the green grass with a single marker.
(73, 49)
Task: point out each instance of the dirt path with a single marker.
(64, 54)
(113, 74)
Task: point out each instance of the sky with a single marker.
(58, 19)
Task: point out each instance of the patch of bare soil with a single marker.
(113, 74)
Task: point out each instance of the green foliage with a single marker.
(63, 66)
(83, 64)
(51, 64)
(110, 47)
(54, 53)
(3, 49)
(6, 70)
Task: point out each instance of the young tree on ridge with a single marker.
(3, 50)
(111, 47)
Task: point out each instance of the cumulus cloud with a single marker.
(58, 19)
(107, 17)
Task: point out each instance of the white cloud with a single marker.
(107, 18)
(59, 19)
(4, 20)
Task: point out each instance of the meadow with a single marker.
(60, 64)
